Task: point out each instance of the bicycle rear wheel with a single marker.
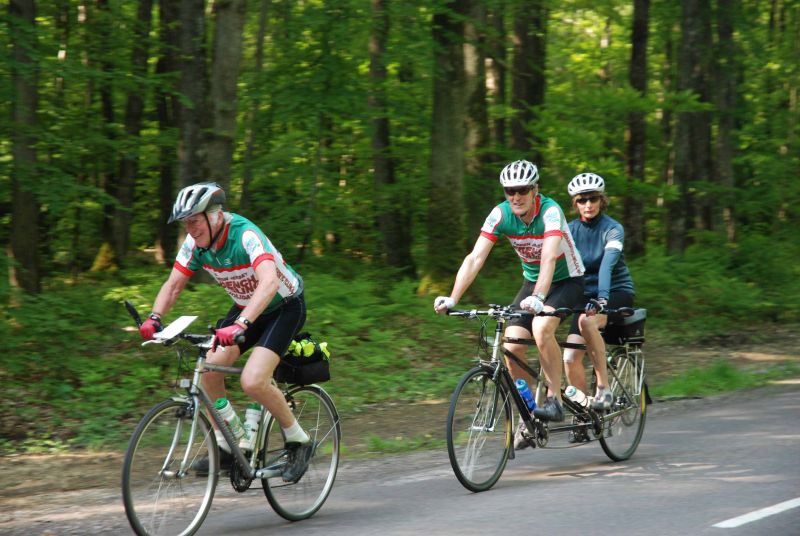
(479, 430)
(162, 494)
(314, 410)
(624, 424)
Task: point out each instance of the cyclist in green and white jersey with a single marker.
(552, 272)
(268, 308)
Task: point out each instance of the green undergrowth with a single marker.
(76, 376)
(721, 377)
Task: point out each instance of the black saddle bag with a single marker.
(305, 362)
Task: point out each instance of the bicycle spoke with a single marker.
(315, 412)
(162, 494)
(624, 424)
(478, 430)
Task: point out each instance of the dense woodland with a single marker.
(366, 138)
(372, 132)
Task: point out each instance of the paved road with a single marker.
(700, 463)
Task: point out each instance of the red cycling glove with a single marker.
(149, 327)
(226, 336)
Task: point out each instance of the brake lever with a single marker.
(134, 313)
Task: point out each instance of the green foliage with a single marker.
(75, 374)
(400, 444)
(313, 193)
(719, 377)
(709, 290)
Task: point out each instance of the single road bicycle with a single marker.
(165, 492)
(480, 417)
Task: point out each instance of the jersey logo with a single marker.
(552, 219)
(252, 244)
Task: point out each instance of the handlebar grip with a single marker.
(239, 339)
(562, 312)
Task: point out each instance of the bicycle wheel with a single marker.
(163, 495)
(314, 410)
(624, 424)
(479, 430)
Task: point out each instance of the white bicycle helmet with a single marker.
(586, 182)
(519, 173)
(195, 199)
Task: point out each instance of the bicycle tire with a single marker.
(623, 426)
(159, 498)
(316, 413)
(479, 430)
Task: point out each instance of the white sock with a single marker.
(296, 434)
(222, 442)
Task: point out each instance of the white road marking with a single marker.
(758, 514)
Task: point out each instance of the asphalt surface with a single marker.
(701, 463)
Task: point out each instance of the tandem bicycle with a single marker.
(480, 417)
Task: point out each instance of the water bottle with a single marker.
(525, 392)
(577, 396)
(228, 414)
(252, 418)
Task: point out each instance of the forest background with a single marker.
(365, 138)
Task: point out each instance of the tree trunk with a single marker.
(25, 86)
(496, 78)
(167, 110)
(693, 131)
(528, 77)
(725, 96)
(229, 24)
(633, 218)
(478, 204)
(253, 129)
(393, 218)
(446, 237)
(105, 258)
(193, 86)
(129, 160)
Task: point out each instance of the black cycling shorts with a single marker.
(616, 299)
(273, 330)
(564, 293)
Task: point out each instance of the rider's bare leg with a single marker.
(257, 384)
(544, 331)
(595, 345)
(573, 363)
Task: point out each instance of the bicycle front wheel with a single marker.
(314, 410)
(624, 424)
(479, 430)
(162, 493)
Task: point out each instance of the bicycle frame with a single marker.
(540, 429)
(197, 393)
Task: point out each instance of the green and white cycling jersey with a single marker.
(527, 240)
(240, 249)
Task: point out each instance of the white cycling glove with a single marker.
(447, 301)
(532, 303)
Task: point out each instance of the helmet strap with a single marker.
(213, 236)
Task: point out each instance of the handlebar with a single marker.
(197, 339)
(506, 312)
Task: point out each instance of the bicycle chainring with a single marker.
(239, 482)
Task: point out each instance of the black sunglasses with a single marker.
(524, 190)
(584, 200)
